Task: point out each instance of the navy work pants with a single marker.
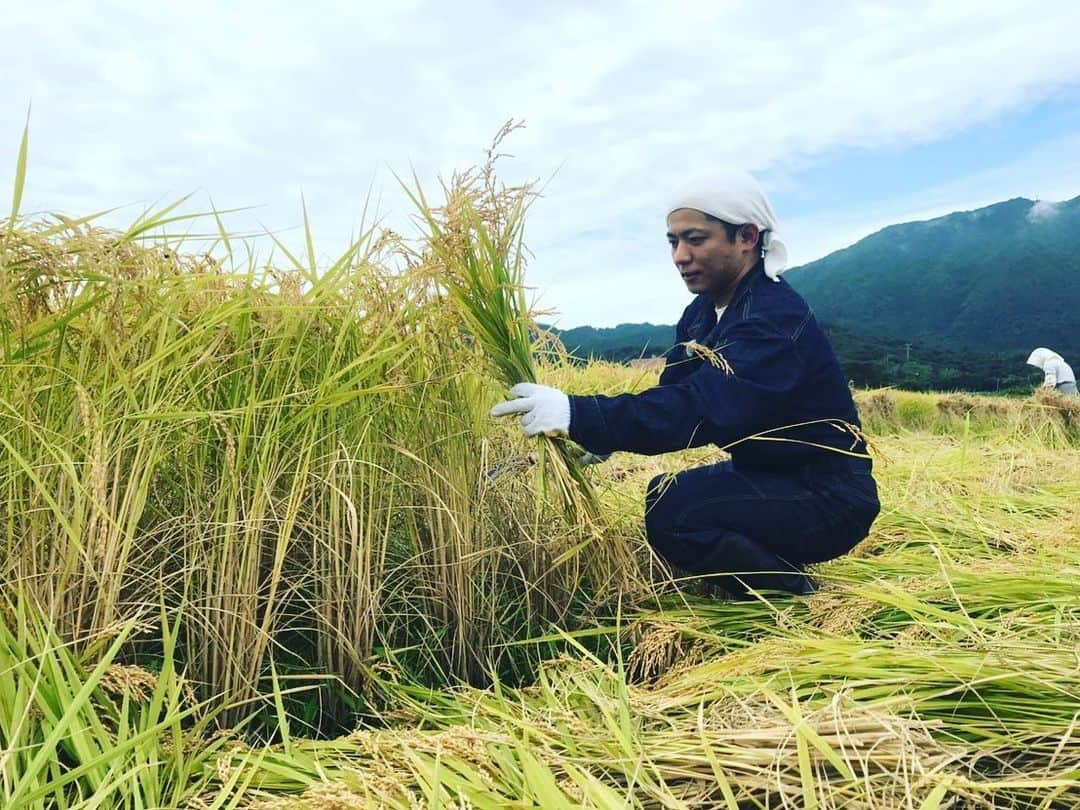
(723, 521)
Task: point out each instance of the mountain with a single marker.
(626, 341)
(868, 361)
(872, 362)
(1005, 278)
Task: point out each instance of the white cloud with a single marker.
(1043, 210)
(253, 103)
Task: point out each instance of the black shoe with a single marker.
(803, 584)
(765, 570)
(740, 587)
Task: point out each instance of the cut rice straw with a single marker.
(477, 254)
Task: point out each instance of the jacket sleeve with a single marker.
(711, 405)
(1050, 374)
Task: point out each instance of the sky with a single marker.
(853, 115)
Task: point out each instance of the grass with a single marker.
(251, 557)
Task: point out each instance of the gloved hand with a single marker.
(543, 410)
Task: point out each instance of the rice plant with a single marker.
(80, 730)
(474, 247)
(296, 454)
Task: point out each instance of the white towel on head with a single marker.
(1041, 355)
(735, 197)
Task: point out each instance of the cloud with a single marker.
(254, 103)
(1043, 210)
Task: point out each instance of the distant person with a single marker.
(1057, 374)
(752, 372)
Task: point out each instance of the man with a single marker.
(753, 373)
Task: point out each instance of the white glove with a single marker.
(543, 410)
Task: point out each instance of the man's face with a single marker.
(708, 263)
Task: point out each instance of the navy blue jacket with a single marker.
(783, 373)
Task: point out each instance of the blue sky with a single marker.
(870, 114)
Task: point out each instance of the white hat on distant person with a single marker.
(735, 197)
(1041, 356)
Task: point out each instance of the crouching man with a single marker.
(752, 372)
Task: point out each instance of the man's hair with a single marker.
(731, 230)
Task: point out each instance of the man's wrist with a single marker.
(587, 424)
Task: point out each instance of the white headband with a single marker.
(1041, 356)
(736, 198)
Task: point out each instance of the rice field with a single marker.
(263, 548)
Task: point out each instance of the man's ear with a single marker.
(750, 233)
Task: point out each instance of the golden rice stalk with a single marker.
(474, 245)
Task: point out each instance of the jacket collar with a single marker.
(756, 274)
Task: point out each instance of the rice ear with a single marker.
(475, 243)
